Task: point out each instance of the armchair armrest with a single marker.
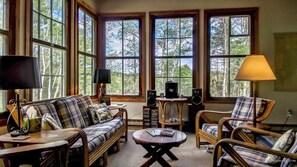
(226, 145)
(203, 114)
(240, 129)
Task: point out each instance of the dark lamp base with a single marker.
(16, 133)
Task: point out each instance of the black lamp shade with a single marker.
(102, 76)
(19, 72)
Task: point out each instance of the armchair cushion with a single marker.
(244, 109)
(282, 144)
(212, 129)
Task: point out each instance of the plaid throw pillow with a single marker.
(83, 103)
(99, 113)
(49, 123)
(291, 162)
(282, 144)
(50, 109)
(69, 113)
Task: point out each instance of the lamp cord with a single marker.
(285, 122)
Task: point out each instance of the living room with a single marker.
(269, 24)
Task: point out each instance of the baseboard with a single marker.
(135, 122)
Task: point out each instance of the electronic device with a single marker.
(171, 89)
(197, 96)
(151, 97)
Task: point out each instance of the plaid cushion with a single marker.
(287, 162)
(244, 109)
(212, 129)
(69, 113)
(49, 123)
(253, 157)
(99, 113)
(99, 133)
(48, 108)
(83, 104)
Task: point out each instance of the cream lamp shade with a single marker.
(255, 68)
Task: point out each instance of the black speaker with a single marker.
(197, 96)
(171, 89)
(151, 98)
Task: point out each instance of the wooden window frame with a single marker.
(253, 13)
(64, 46)
(87, 10)
(196, 56)
(142, 66)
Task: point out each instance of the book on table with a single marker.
(161, 132)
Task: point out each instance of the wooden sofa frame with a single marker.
(90, 157)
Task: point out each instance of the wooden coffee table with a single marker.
(158, 146)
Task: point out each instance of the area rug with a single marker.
(131, 155)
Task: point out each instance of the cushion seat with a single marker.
(99, 133)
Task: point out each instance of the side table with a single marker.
(179, 102)
(45, 136)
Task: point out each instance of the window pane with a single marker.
(186, 47)
(240, 45)
(131, 38)
(131, 77)
(86, 69)
(3, 44)
(186, 29)
(161, 68)
(160, 47)
(3, 15)
(239, 25)
(89, 35)
(187, 67)
(238, 88)
(161, 28)
(35, 26)
(45, 31)
(185, 84)
(116, 86)
(81, 30)
(173, 47)
(173, 67)
(219, 78)
(113, 38)
(58, 33)
(219, 36)
(58, 10)
(45, 7)
(173, 28)
(160, 85)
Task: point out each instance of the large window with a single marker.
(174, 54)
(230, 37)
(87, 52)
(3, 42)
(49, 46)
(123, 38)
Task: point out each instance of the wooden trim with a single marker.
(87, 7)
(253, 13)
(142, 68)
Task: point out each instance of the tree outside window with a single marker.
(174, 51)
(49, 46)
(230, 37)
(87, 57)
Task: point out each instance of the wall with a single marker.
(274, 16)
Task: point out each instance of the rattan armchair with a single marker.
(212, 131)
(53, 153)
(244, 152)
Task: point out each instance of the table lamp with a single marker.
(255, 68)
(19, 72)
(101, 76)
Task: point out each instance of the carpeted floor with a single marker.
(131, 155)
